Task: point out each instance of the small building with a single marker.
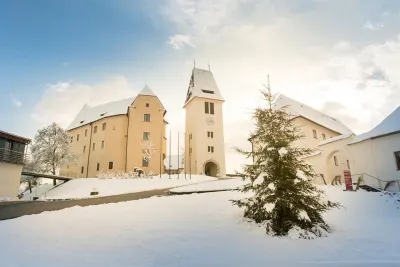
(176, 165)
(12, 158)
(377, 153)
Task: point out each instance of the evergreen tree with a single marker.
(284, 197)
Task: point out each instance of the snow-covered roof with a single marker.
(390, 125)
(90, 114)
(202, 84)
(174, 162)
(334, 139)
(297, 109)
(147, 91)
(312, 154)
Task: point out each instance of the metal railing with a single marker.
(375, 182)
(11, 156)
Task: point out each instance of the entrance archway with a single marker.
(211, 169)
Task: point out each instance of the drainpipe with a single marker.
(89, 149)
(126, 150)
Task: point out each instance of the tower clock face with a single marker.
(209, 121)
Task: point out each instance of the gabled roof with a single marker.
(297, 109)
(202, 84)
(147, 91)
(390, 125)
(334, 139)
(90, 114)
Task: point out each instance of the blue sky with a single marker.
(339, 56)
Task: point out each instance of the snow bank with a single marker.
(81, 188)
(199, 230)
(228, 184)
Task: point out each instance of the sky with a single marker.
(341, 57)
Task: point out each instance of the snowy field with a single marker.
(199, 230)
(81, 188)
(228, 184)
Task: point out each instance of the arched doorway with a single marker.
(211, 169)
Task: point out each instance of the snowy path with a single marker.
(199, 230)
(17, 209)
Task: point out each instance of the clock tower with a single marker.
(204, 142)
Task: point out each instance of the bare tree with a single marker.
(148, 149)
(51, 149)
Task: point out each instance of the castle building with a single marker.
(205, 153)
(118, 136)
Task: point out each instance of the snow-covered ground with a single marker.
(228, 184)
(200, 230)
(81, 188)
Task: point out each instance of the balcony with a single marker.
(11, 156)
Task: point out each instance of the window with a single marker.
(146, 136)
(207, 91)
(210, 134)
(111, 165)
(348, 164)
(211, 108)
(94, 147)
(86, 132)
(102, 144)
(315, 134)
(82, 168)
(335, 159)
(145, 162)
(397, 155)
(207, 107)
(77, 137)
(147, 117)
(104, 126)
(147, 105)
(98, 166)
(323, 136)
(95, 129)
(210, 149)
(72, 139)
(84, 149)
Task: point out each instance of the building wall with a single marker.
(306, 127)
(122, 146)
(10, 176)
(114, 137)
(156, 128)
(197, 125)
(376, 157)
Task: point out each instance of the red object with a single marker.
(347, 180)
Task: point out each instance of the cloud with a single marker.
(179, 41)
(17, 103)
(372, 26)
(61, 101)
(65, 64)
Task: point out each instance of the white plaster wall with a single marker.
(376, 157)
(10, 176)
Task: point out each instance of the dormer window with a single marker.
(102, 114)
(82, 121)
(207, 91)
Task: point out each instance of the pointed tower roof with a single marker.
(202, 84)
(390, 125)
(147, 91)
